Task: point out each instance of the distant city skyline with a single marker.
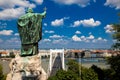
(68, 23)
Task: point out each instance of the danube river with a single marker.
(88, 62)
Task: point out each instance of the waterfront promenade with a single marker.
(5, 65)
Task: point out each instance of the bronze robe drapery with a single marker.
(30, 30)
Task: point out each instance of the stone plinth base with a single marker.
(26, 68)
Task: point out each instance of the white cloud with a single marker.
(66, 18)
(16, 34)
(46, 40)
(60, 41)
(105, 40)
(99, 38)
(77, 23)
(90, 33)
(6, 32)
(57, 41)
(83, 37)
(57, 22)
(82, 3)
(94, 41)
(87, 22)
(56, 36)
(87, 41)
(94, 0)
(76, 38)
(113, 3)
(12, 3)
(108, 29)
(78, 32)
(46, 31)
(91, 37)
(38, 1)
(45, 24)
(90, 22)
(13, 40)
(3, 25)
(11, 13)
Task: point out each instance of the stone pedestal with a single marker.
(26, 68)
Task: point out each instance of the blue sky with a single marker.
(68, 23)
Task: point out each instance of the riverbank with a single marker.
(88, 62)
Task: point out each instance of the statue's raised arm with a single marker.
(44, 13)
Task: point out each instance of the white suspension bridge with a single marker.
(56, 61)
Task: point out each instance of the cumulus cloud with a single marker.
(13, 40)
(87, 22)
(76, 38)
(78, 32)
(13, 3)
(90, 33)
(83, 38)
(81, 3)
(77, 23)
(46, 40)
(11, 13)
(16, 34)
(6, 32)
(108, 29)
(56, 36)
(45, 24)
(38, 1)
(59, 22)
(90, 22)
(3, 25)
(46, 31)
(99, 40)
(58, 41)
(91, 37)
(113, 3)
(10, 9)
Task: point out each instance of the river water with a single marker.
(88, 62)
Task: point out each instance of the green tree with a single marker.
(108, 74)
(116, 34)
(64, 75)
(88, 74)
(114, 62)
(74, 67)
(99, 72)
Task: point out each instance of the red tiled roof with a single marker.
(4, 52)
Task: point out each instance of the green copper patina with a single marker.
(30, 30)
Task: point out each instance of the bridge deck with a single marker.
(56, 65)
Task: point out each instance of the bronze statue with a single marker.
(30, 30)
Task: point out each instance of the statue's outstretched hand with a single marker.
(45, 8)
